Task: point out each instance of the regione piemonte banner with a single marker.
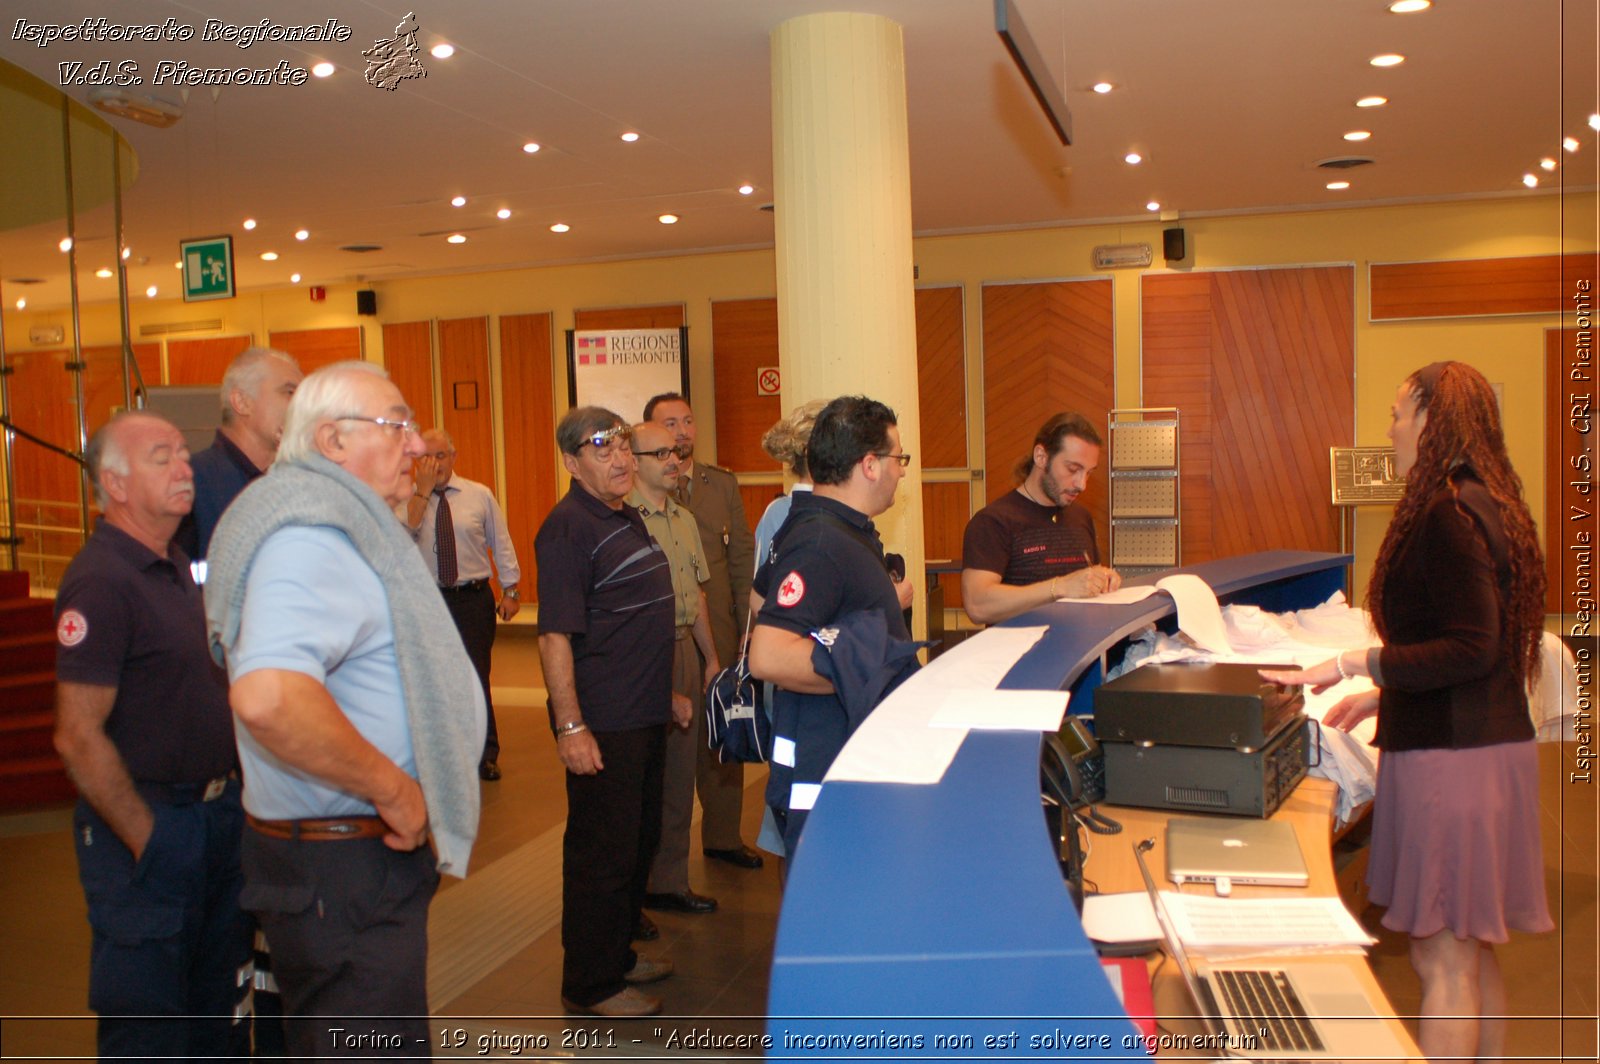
(620, 369)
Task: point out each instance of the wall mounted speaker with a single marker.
(367, 299)
(1172, 244)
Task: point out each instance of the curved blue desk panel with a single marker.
(939, 912)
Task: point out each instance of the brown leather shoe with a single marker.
(645, 970)
(628, 1002)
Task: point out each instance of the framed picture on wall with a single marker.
(620, 369)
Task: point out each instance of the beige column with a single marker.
(842, 195)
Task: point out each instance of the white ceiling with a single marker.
(1232, 103)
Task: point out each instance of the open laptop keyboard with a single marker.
(1265, 1004)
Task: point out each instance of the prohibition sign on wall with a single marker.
(768, 380)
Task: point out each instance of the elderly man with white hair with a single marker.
(256, 390)
(359, 729)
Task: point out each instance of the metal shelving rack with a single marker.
(1143, 443)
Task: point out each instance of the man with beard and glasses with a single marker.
(1032, 546)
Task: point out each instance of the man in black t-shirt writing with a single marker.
(1032, 545)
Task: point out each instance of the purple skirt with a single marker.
(1455, 842)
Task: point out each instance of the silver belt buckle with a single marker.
(215, 788)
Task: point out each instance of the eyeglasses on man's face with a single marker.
(402, 426)
(609, 442)
(903, 459)
(661, 454)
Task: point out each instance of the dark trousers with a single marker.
(348, 923)
(473, 612)
(169, 938)
(613, 828)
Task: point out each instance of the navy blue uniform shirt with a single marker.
(221, 472)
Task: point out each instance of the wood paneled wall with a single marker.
(1260, 364)
(1047, 347)
(942, 379)
(756, 499)
(408, 356)
(41, 402)
(946, 508)
(527, 387)
(464, 387)
(314, 348)
(202, 361)
(1536, 284)
(102, 380)
(744, 338)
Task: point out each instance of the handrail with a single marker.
(11, 426)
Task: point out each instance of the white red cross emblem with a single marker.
(792, 590)
(72, 628)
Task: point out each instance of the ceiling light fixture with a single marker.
(22, 304)
(125, 253)
(177, 265)
(1387, 60)
(66, 244)
(560, 227)
(294, 278)
(1570, 143)
(1530, 180)
(745, 190)
(1547, 164)
(102, 273)
(531, 147)
(151, 291)
(1152, 206)
(1336, 186)
(323, 70)
(456, 238)
(302, 234)
(668, 219)
(503, 213)
(269, 256)
(630, 136)
(1372, 101)
(1102, 87)
(1358, 134)
(1594, 122)
(442, 51)
(1406, 7)
(249, 223)
(1133, 158)
(459, 201)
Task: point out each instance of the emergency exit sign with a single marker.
(207, 268)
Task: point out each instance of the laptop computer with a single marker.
(1227, 852)
(1296, 1010)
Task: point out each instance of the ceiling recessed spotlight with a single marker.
(249, 223)
(1547, 164)
(667, 219)
(630, 136)
(560, 227)
(269, 256)
(503, 213)
(1530, 180)
(531, 147)
(442, 51)
(1406, 7)
(1570, 143)
(1594, 122)
(1335, 186)
(177, 265)
(456, 238)
(745, 190)
(125, 253)
(102, 273)
(1372, 101)
(66, 244)
(302, 234)
(458, 201)
(294, 278)
(323, 70)
(1387, 60)
(1102, 87)
(151, 291)
(22, 304)
(1358, 134)
(1152, 206)
(1133, 158)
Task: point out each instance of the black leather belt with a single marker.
(470, 585)
(321, 829)
(184, 793)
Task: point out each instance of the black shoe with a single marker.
(744, 857)
(686, 901)
(488, 770)
(645, 930)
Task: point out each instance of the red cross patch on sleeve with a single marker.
(792, 590)
(72, 628)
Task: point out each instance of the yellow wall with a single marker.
(1508, 350)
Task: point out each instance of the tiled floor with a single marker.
(722, 959)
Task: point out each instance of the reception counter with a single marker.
(938, 912)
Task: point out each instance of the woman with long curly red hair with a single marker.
(1457, 595)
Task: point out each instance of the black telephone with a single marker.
(1072, 775)
(1083, 755)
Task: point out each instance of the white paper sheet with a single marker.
(1199, 616)
(1120, 917)
(1122, 596)
(966, 707)
(1205, 923)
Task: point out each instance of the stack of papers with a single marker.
(1209, 925)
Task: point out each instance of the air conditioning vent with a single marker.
(24, 280)
(1345, 162)
(163, 328)
(361, 249)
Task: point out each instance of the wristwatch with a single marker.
(510, 590)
